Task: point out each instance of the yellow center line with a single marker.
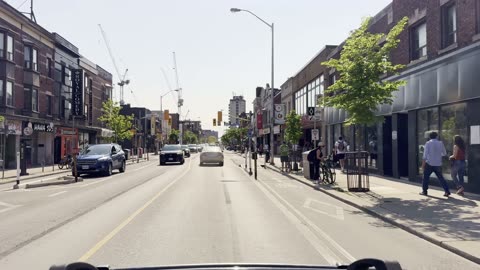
(124, 223)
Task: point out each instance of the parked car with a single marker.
(193, 148)
(186, 150)
(212, 154)
(101, 158)
(172, 153)
(200, 148)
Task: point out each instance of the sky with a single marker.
(218, 53)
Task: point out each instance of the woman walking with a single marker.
(458, 163)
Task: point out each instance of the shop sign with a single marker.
(259, 120)
(43, 127)
(266, 131)
(67, 131)
(13, 127)
(276, 130)
(77, 92)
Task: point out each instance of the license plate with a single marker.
(85, 167)
(170, 158)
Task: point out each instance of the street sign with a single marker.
(310, 111)
(315, 135)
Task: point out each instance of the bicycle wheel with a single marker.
(332, 176)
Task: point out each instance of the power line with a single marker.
(21, 5)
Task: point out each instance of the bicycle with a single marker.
(66, 161)
(328, 170)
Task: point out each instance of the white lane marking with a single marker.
(56, 194)
(304, 224)
(337, 209)
(8, 207)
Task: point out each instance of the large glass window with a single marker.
(360, 138)
(9, 91)
(449, 25)
(427, 121)
(34, 60)
(372, 146)
(10, 48)
(348, 136)
(67, 75)
(453, 121)
(27, 57)
(419, 41)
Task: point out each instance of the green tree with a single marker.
(363, 60)
(190, 137)
(293, 130)
(173, 137)
(120, 124)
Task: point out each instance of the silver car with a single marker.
(211, 154)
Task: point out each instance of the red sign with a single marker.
(259, 120)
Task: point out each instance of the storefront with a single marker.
(66, 142)
(10, 133)
(37, 142)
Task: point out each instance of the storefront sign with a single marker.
(67, 131)
(259, 120)
(42, 127)
(266, 131)
(474, 134)
(11, 127)
(276, 130)
(77, 92)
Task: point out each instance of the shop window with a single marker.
(453, 121)
(359, 138)
(427, 121)
(418, 39)
(372, 145)
(449, 25)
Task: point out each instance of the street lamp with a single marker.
(235, 10)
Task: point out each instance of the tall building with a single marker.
(236, 106)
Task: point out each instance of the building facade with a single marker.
(441, 51)
(40, 95)
(236, 106)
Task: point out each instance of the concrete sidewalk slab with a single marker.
(451, 223)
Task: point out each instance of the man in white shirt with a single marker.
(432, 163)
(340, 149)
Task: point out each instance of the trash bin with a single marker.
(306, 165)
(127, 153)
(356, 165)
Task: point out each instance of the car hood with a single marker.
(91, 156)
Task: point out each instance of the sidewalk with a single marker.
(34, 173)
(452, 223)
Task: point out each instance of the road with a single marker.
(178, 214)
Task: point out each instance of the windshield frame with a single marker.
(106, 150)
(172, 147)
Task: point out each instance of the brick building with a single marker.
(440, 49)
(36, 93)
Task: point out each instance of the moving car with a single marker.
(193, 148)
(172, 153)
(186, 150)
(101, 158)
(211, 154)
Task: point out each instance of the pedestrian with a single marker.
(432, 163)
(458, 163)
(318, 159)
(267, 153)
(340, 149)
(284, 156)
(373, 150)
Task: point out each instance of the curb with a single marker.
(32, 177)
(61, 181)
(391, 221)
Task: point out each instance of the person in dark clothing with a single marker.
(318, 159)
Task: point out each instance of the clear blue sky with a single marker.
(218, 52)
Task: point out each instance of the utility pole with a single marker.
(180, 100)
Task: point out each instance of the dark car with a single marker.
(172, 153)
(101, 158)
(186, 150)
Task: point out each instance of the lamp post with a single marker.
(234, 10)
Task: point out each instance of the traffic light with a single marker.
(170, 121)
(166, 115)
(214, 122)
(219, 116)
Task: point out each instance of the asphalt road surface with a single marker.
(183, 214)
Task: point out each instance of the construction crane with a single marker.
(123, 80)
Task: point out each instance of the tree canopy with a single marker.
(120, 124)
(190, 137)
(173, 137)
(364, 59)
(293, 130)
